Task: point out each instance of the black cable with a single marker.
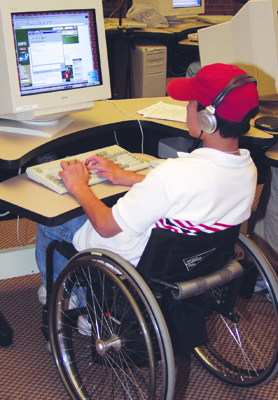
(196, 143)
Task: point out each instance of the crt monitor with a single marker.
(176, 9)
(249, 40)
(53, 63)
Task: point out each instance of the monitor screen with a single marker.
(176, 9)
(186, 3)
(56, 51)
(249, 40)
(56, 59)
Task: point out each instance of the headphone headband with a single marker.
(234, 83)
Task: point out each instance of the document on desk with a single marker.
(162, 110)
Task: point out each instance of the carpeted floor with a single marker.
(17, 232)
(28, 372)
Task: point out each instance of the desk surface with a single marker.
(31, 200)
(187, 42)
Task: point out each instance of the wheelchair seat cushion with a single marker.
(176, 257)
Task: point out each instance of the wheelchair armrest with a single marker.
(231, 270)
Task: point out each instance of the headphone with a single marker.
(206, 119)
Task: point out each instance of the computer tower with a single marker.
(140, 69)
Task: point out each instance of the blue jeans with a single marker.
(46, 234)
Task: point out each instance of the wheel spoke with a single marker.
(246, 353)
(116, 359)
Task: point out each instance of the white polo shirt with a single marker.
(206, 190)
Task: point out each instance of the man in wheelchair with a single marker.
(199, 193)
(121, 332)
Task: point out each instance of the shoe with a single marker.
(42, 295)
(261, 288)
(260, 285)
(83, 326)
(73, 302)
(268, 297)
(42, 298)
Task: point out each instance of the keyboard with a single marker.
(48, 173)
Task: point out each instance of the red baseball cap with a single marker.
(209, 82)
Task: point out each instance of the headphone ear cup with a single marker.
(207, 121)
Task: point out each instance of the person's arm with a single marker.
(76, 177)
(113, 172)
(97, 212)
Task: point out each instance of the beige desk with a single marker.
(37, 203)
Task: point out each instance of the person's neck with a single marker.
(215, 141)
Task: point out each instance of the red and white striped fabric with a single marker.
(187, 228)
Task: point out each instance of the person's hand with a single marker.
(74, 174)
(111, 171)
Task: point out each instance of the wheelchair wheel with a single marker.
(244, 351)
(108, 336)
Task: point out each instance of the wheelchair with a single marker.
(187, 293)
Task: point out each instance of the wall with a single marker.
(109, 6)
(213, 7)
(222, 7)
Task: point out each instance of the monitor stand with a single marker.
(35, 128)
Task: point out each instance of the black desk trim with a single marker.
(271, 162)
(253, 141)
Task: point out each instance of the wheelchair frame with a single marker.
(136, 359)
